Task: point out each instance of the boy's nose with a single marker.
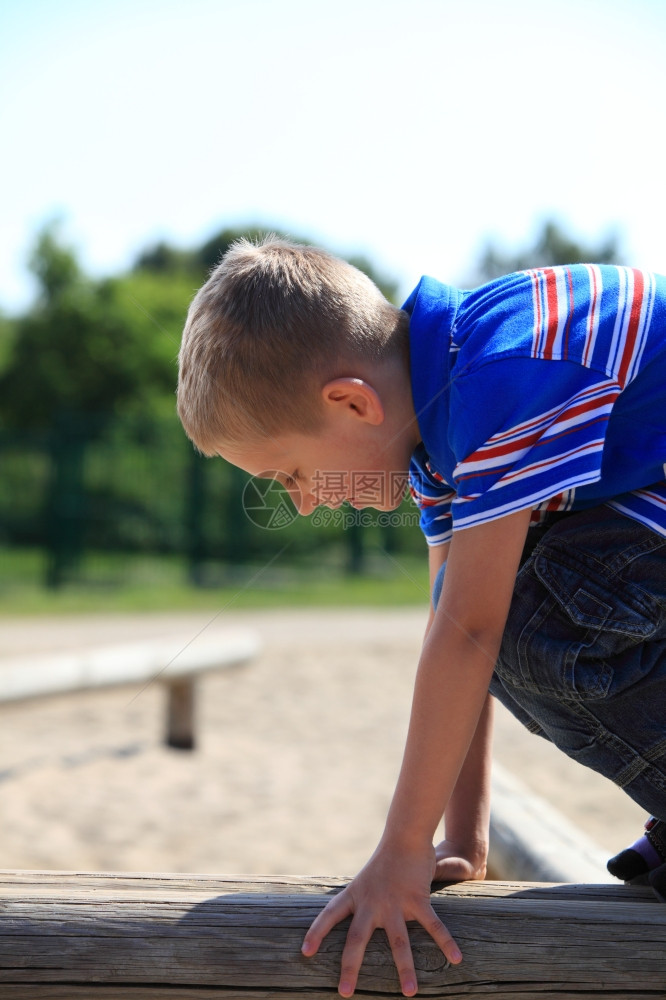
(305, 503)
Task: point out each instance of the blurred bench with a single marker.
(174, 663)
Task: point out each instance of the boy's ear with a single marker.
(356, 397)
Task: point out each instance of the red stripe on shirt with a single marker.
(590, 405)
(499, 470)
(632, 331)
(599, 390)
(553, 312)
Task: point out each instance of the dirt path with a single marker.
(296, 761)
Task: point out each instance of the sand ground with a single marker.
(296, 758)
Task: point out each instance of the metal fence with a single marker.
(89, 496)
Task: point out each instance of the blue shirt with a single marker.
(544, 389)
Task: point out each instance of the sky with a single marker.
(409, 130)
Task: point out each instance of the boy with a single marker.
(531, 415)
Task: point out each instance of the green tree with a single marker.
(552, 247)
(6, 339)
(88, 373)
(87, 354)
(163, 258)
(89, 348)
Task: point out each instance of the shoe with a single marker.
(648, 853)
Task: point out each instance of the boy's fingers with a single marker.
(359, 934)
(353, 953)
(401, 950)
(398, 936)
(440, 934)
(335, 910)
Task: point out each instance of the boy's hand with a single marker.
(456, 865)
(394, 887)
(445, 729)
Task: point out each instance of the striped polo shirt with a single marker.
(544, 389)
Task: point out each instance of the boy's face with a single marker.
(361, 461)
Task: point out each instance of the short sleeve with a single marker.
(432, 496)
(526, 432)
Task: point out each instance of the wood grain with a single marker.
(76, 935)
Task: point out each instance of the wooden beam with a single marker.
(67, 936)
(38, 675)
(175, 663)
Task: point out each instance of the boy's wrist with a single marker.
(402, 837)
(475, 850)
(473, 844)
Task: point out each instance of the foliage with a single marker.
(90, 352)
(90, 431)
(164, 259)
(93, 458)
(552, 247)
(86, 349)
(7, 332)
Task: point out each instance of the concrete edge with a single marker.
(532, 841)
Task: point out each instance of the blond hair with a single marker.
(274, 322)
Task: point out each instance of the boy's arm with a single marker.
(464, 851)
(463, 854)
(450, 692)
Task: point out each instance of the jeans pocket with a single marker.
(608, 622)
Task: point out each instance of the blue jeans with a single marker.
(583, 657)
